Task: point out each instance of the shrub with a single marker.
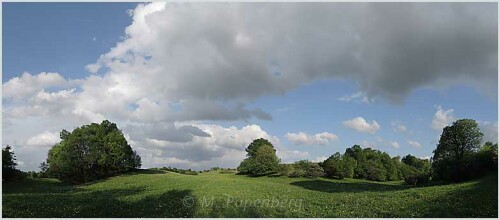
(417, 179)
(305, 168)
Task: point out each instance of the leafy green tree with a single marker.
(357, 153)
(453, 157)
(390, 166)
(374, 170)
(486, 159)
(338, 166)
(261, 159)
(8, 164)
(422, 165)
(255, 145)
(91, 152)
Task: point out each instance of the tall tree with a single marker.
(453, 156)
(261, 159)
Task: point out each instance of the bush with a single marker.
(417, 179)
(285, 169)
(305, 168)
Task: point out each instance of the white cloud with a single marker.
(302, 138)
(361, 125)
(394, 144)
(27, 85)
(489, 130)
(45, 139)
(414, 144)
(319, 159)
(442, 118)
(398, 127)
(358, 97)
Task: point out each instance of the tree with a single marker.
(357, 153)
(374, 170)
(338, 166)
(91, 152)
(8, 164)
(486, 159)
(255, 145)
(453, 157)
(261, 159)
(420, 164)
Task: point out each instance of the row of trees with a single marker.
(458, 157)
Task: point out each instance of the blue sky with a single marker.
(174, 67)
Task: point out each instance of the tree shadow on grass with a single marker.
(144, 171)
(478, 200)
(39, 185)
(334, 187)
(131, 202)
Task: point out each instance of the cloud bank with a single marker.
(181, 64)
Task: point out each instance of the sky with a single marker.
(192, 84)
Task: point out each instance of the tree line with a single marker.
(100, 150)
(459, 156)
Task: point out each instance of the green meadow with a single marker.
(149, 193)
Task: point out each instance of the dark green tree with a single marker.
(261, 159)
(453, 157)
(338, 166)
(8, 164)
(91, 152)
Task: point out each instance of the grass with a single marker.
(211, 194)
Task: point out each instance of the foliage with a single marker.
(453, 158)
(419, 164)
(261, 160)
(305, 168)
(149, 195)
(338, 166)
(487, 157)
(91, 152)
(177, 170)
(9, 171)
(417, 178)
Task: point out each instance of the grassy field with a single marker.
(165, 194)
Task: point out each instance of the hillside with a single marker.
(165, 194)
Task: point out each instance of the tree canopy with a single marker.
(261, 159)
(91, 152)
(8, 163)
(454, 156)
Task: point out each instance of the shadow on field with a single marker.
(478, 200)
(50, 199)
(144, 171)
(41, 185)
(332, 187)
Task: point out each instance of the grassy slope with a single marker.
(147, 194)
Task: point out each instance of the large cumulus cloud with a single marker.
(186, 63)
